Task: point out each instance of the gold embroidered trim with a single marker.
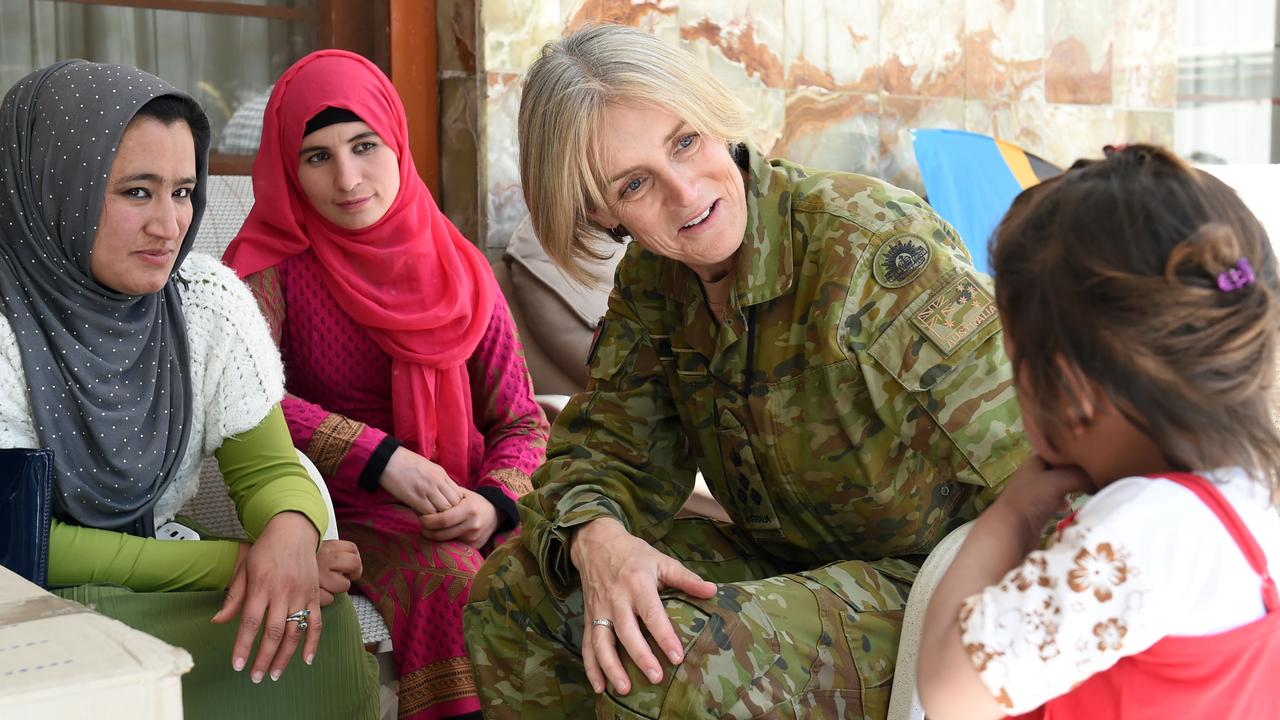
(516, 481)
(333, 437)
(436, 683)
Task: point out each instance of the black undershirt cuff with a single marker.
(508, 516)
(371, 477)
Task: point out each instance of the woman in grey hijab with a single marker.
(132, 360)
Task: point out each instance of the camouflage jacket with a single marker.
(855, 403)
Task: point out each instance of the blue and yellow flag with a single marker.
(972, 179)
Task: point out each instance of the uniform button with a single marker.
(945, 490)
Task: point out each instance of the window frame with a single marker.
(399, 36)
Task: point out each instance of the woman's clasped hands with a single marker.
(447, 511)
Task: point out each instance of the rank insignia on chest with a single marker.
(955, 313)
(900, 260)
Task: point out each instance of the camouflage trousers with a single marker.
(817, 643)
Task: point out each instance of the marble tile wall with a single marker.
(832, 83)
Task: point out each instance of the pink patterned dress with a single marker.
(339, 399)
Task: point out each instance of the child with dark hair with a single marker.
(1139, 301)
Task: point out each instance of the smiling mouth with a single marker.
(353, 204)
(699, 219)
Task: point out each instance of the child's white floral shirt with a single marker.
(1143, 559)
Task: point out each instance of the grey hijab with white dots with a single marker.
(107, 374)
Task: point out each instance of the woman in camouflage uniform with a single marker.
(817, 344)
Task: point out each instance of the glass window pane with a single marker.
(1227, 82)
(303, 4)
(228, 63)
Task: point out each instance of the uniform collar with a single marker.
(765, 266)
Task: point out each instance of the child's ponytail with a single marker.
(1155, 281)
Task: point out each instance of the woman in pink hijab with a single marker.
(407, 385)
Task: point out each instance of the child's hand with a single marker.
(339, 563)
(1037, 491)
(948, 681)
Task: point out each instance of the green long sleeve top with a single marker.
(264, 478)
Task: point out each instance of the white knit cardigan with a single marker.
(236, 376)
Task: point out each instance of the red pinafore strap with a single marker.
(1212, 497)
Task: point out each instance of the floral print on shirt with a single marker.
(1144, 559)
(1065, 612)
(1101, 571)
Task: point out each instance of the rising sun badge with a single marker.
(901, 260)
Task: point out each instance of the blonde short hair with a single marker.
(565, 94)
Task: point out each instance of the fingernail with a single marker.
(674, 657)
(275, 675)
(309, 658)
(596, 688)
(238, 664)
(257, 677)
(655, 676)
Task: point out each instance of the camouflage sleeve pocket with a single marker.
(945, 349)
(613, 351)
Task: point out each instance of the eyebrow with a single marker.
(153, 178)
(670, 136)
(361, 136)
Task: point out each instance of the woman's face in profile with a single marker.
(147, 207)
(349, 174)
(679, 193)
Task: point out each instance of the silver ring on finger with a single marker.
(602, 622)
(299, 617)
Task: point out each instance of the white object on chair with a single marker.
(331, 533)
(174, 530)
(904, 702)
(552, 405)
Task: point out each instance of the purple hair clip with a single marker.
(1233, 279)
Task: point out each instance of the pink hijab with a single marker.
(422, 291)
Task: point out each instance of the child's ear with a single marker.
(1089, 398)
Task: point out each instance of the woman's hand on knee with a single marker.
(339, 564)
(419, 483)
(278, 578)
(621, 578)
